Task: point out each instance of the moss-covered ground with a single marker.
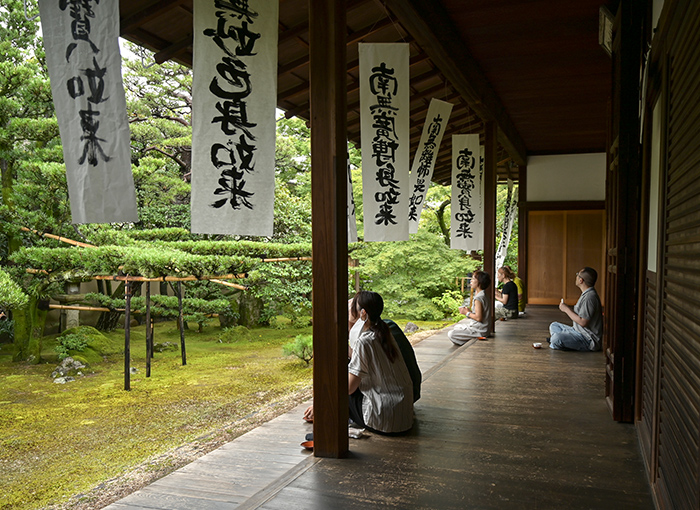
(59, 440)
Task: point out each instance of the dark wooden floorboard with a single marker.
(499, 425)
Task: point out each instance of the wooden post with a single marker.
(522, 226)
(327, 84)
(181, 323)
(149, 330)
(490, 161)
(127, 336)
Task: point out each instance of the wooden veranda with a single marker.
(499, 425)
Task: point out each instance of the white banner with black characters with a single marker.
(424, 159)
(352, 220)
(233, 130)
(508, 220)
(82, 54)
(384, 127)
(465, 193)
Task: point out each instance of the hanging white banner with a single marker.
(82, 54)
(479, 207)
(352, 220)
(233, 129)
(508, 220)
(424, 159)
(465, 193)
(384, 127)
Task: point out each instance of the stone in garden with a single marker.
(410, 328)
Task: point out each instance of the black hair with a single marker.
(483, 278)
(373, 304)
(589, 276)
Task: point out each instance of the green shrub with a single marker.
(86, 340)
(235, 334)
(302, 347)
(449, 303)
(73, 342)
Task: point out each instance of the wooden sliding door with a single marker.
(560, 243)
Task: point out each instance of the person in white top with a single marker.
(478, 321)
(379, 384)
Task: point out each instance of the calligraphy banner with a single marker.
(384, 127)
(233, 129)
(82, 54)
(466, 206)
(424, 159)
(508, 220)
(352, 220)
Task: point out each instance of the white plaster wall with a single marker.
(656, 7)
(655, 164)
(575, 177)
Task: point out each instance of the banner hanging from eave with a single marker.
(424, 159)
(508, 219)
(233, 130)
(384, 126)
(466, 192)
(82, 54)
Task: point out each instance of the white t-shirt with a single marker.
(387, 405)
(355, 333)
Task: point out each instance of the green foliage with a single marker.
(85, 344)
(410, 274)
(11, 294)
(449, 303)
(73, 342)
(235, 334)
(285, 289)
(302, 347)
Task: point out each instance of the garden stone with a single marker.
(410, 328)
(165, 346)
(134, 370)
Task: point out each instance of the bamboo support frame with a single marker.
(59, 238)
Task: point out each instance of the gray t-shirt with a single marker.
(588, 307)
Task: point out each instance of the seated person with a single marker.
(479, 319)
(521, 291)
(369, 360)
(407, 352)
(379, 385)
(408, 355)
(507, 299)
(586, 334)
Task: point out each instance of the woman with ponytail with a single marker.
(380, 387)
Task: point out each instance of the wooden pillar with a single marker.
(327, 90)
(490, 162)
(522, 225)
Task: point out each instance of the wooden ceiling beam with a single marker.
(431, 26)
(352, 38)
(173, 50)
(148, 13)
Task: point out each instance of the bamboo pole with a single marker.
(59, 238)
(229, 284)
(83, 308)
(286, 259)
(169, 278)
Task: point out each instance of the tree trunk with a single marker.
(29, 331)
